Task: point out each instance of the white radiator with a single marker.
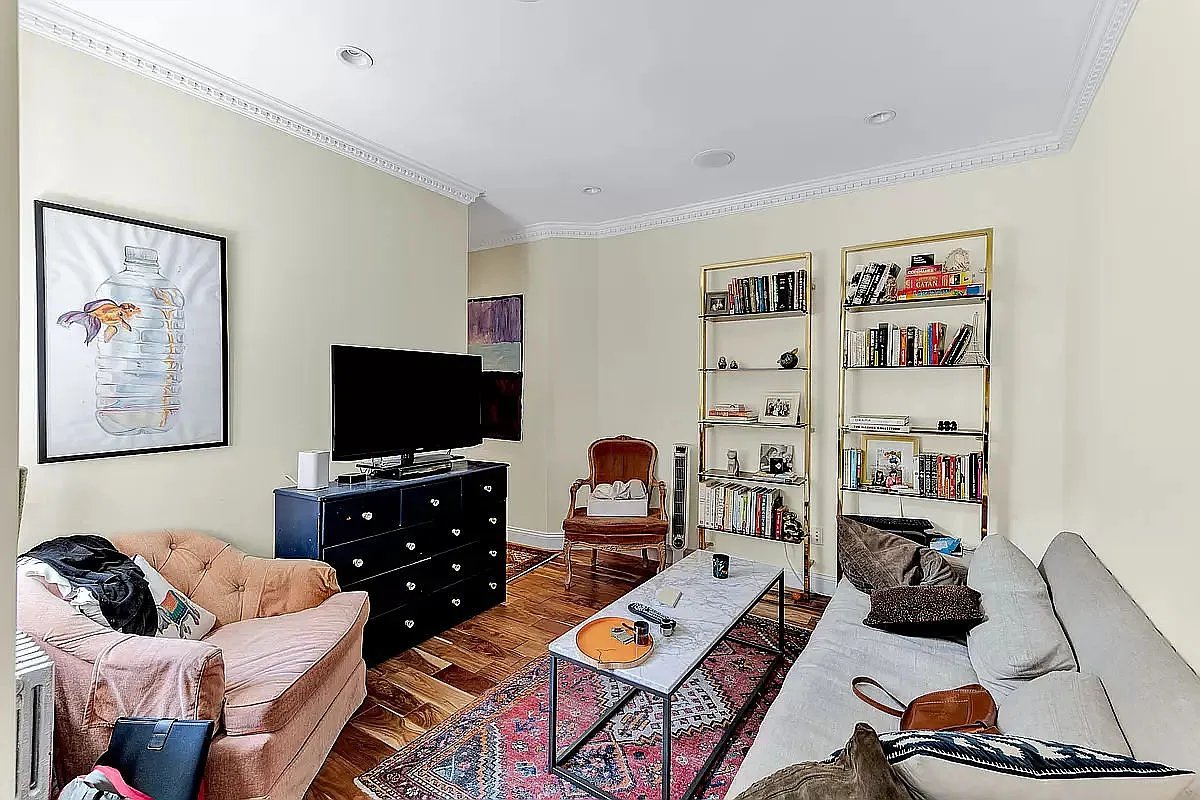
(35, 719)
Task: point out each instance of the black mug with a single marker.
(641, 632)
(720, 566)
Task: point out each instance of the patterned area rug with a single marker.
(522, 560)
(495, 749)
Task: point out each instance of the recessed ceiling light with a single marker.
(586, 189)
(713, 159)
(355, 57)
(881, 117)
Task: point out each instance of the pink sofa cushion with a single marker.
(276, 666)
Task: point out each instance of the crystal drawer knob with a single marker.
(456, 531)
(368, 516)
(456, 567)
(493, 553)
(456, 601)
(408, 623)
(493, 520)
(411, 545)
(492, 584)
(433, 501)
(358, 562)
(411, 585)
(487, 488)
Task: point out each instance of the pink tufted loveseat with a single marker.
(282, 670)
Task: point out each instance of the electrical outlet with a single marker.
(818, 538)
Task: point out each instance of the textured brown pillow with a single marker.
(875, 559)
(860, 772)
(934, 611)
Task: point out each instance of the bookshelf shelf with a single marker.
(912, 495)
(915, 432)
(753, 424)
(933, 302)
(752, 477)
(748, 317)
(882, 347)
(782, 285)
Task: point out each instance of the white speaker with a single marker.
(681, 505)
(312, 472)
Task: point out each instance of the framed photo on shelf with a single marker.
(781, 408)
(776, 459)
(890, 461)
(716, 303)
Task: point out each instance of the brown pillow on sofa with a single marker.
(875, 559)
(860, 772)
(934, 611)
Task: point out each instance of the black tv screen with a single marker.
(391, 402)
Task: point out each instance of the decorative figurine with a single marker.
(957, 260)
(790, 359)
(734, 467)
(947, 425)
(793, 531)
(722, 363)
(733, 363)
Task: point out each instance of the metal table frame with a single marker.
(557, 760)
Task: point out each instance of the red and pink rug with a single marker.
(495, 749)
(521, 560)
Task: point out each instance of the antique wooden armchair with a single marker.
(622, 458)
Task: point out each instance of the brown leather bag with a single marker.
(967, 709)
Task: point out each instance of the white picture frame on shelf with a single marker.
(781, 408)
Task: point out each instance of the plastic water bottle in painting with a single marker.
(139, 372)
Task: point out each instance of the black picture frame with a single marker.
(39, 209)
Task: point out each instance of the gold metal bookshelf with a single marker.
(982, 435)
(714, 277)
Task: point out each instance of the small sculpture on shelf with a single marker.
(732, 463)
(790, 359)
(793, 528)
(733, 363)
(722, 363)
(947, 425)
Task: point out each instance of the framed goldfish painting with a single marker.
(131, 336)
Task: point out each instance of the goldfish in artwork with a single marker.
(106, 314)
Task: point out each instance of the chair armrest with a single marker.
(117, 674)
(574, 491)
(292, 584)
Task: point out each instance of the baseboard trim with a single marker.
(545, 540)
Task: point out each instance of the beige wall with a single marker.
(1092, 391)
(8, 371)
(321, 250)
(1133, 377)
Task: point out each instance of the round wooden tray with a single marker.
(595, 640)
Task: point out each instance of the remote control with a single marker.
(649, 613)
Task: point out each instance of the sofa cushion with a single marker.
(946, 611)
(1064, 707)
(276, 666)
(816, 709)
(1021, 638)
(876, 559)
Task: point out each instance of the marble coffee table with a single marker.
(707, 612)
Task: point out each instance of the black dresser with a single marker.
(429, 551)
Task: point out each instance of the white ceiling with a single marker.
(531, 101)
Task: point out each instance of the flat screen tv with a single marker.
(397, 402)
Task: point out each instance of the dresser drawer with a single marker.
(465, 562)
(402, 587)
(365, 558)
(488, 517)
(436, 501)
(469, 597)
(360, 516)
(388, 634)
(485, 487)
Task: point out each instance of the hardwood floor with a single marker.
(419, 688)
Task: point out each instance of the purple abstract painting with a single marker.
(494, 332)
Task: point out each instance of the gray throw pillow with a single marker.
(1069, 707)
(858, 772)
(875, 559)
(1021, 638)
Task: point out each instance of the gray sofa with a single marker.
(1153, 691)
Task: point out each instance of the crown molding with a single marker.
(1108, 25)
(93, 37)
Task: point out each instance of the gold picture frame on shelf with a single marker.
(890, 462)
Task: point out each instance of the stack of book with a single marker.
(732, 412)
(785, 291)
(873, 283)
(951, 476)
(911, 346)
(741, 509)
(852, 461)
(932, 282)
(877, 422)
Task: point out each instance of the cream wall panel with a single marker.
(321, 249)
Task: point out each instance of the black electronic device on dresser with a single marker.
(429, 551)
